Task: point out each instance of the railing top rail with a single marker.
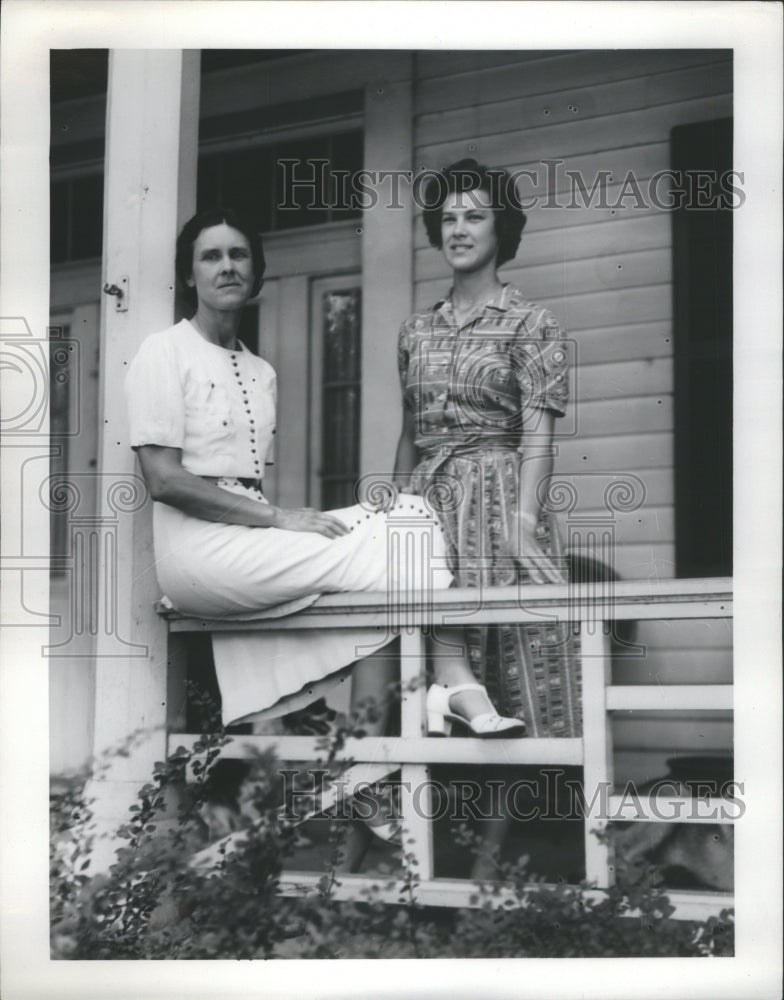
(613, 599)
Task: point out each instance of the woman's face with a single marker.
(468, 235)
(222, 268)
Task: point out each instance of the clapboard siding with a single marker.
(462, 84)
(621, 454)
(645, 561)
(569, 105)
(587, 311)
(642, 231)
(654, 486)
(644, 377)
(707, 633)
(440, 64)
(702, 732)
(630, 269)
(516, 148)
(632, 340)
(676, 666)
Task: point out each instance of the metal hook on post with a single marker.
(120, 292)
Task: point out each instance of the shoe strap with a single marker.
(458, 688)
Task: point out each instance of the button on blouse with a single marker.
(217, 406)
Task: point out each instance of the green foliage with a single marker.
(154, 904)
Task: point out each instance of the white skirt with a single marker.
(216, 570)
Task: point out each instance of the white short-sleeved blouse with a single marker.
(216, 405)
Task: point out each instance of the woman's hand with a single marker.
(531, 557)
(308, 519)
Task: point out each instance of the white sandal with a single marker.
(488, 725)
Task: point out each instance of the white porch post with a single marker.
(387, 269)
(150, 187)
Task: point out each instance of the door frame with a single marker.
(297, 258)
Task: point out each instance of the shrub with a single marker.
(153, 904)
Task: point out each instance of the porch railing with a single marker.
(592, 610)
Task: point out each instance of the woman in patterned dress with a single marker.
(484, 376)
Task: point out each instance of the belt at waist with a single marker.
(431, 459)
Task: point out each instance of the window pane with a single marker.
(300, 183)
(340, 396)
(347, 156)
(246, 185)
(341, 335)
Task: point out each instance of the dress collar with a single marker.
(239, 349)
(498, 302)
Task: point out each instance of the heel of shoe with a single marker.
(438, 725)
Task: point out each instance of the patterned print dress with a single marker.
(475, 391)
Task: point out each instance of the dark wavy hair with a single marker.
(183, 261)
(468, 175)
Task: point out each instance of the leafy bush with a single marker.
(153, 904)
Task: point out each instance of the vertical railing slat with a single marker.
(597, 747)
(415, 803)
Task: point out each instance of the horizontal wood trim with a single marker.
(604, 132)
(673, 636)
(630, 599)
(688, 733)
(463, 84)
(642, 765)
(649, 450)
(597, 309)
(591, 487)
(399, 750)
(691, 665)
(435, 63)
(553, 245)
(637, 93)
(313, 250)
(628, 269)
(310, 74)
(672, 696)
(626, 416)
(660, 809)
(620, 379)
(648, 524)
(641, 341)
(645, 560)
(463, 893)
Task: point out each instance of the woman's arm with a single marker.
(170, 483)
(536, 471)
(406, 454)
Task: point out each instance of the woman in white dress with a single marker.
(202, 421)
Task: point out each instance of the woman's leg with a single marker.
(374, 681)
(449, 655)
(374, 684)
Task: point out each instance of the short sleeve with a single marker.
(541, 365)
(404, 352)
(154, 393)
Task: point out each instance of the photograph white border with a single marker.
(753, 30)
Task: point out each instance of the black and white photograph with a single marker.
(391, 499)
